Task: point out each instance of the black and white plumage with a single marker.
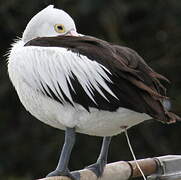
(81, 83)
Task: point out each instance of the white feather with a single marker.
(31, 67)
(42, 24)
(53, 67)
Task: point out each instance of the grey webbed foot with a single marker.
(97, 168)
(75, 175)
(62, 167)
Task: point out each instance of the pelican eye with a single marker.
(59, 28)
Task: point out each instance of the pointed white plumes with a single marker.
(42, 24)
(52, 68)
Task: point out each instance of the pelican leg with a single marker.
(62, 167)
(98, 167)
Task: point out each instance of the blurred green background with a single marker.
(30, 149)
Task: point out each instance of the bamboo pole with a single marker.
(121, 170)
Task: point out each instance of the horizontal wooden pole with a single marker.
(148, 166)
(121, 170)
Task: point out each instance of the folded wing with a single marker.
(95, 73)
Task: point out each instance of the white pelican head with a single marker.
(49, 22)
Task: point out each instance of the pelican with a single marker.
(82, 84)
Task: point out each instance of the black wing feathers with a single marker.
(134, 83)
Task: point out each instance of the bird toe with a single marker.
(97, 168)
(73, 175)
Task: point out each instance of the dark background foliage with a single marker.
(30, 149)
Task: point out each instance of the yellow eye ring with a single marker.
(59, 28)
